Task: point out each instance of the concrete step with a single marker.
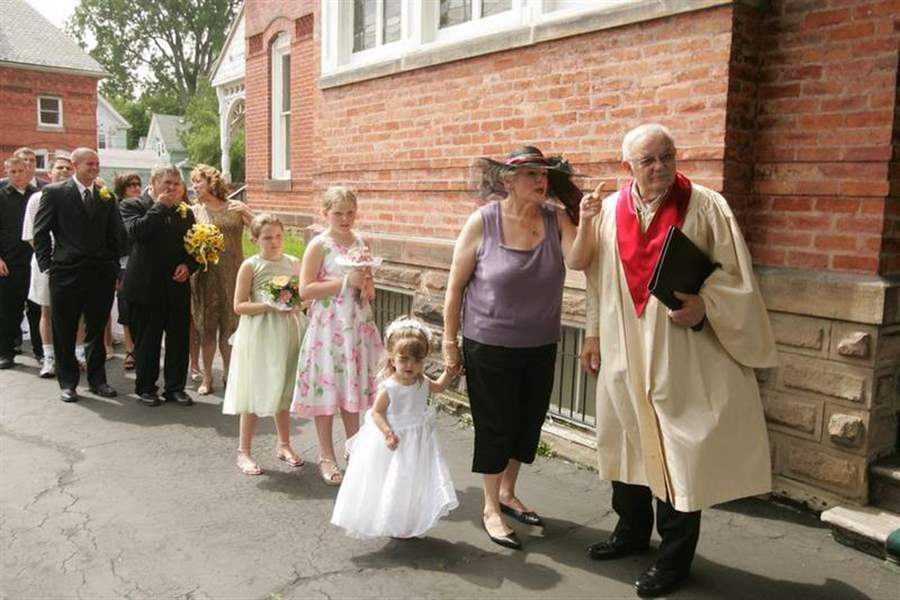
(884, 483)
(866, 528)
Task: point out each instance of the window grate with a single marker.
(574, 391)
(389, 305)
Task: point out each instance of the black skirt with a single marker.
(509, 394)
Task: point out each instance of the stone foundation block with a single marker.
(826, 378)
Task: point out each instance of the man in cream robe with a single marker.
(679, 416)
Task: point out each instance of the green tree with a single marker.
(201, 136)
(238, 172)
(163, 47)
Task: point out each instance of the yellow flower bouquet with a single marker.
(204, 242)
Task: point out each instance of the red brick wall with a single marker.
(789, 111)
(405, 142)
(19, 89)
(827, 94)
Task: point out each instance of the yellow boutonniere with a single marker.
(105, 194)
(183, 209)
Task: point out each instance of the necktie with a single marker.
(87, 196)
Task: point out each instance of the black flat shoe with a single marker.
(614, 548)
(149, 399)
(529, 518)
(655, 582)
(103, 390)
(68, 395)
(179, 397)
(510, 540)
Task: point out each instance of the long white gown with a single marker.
(401, 492)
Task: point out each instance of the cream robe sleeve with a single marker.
(734, 306)
(592, 286)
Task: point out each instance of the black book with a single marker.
(682, 267)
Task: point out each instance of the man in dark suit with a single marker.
(15, 256)
(83, 259)
(33, 311)
(156, 285)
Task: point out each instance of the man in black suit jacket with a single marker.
(33, 311)
(83, 259)
(156, 285)
(15, 256)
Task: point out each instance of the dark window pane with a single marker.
(454, 12)
(286, 83)
(492, 7)
(364, 13)
(49, 117)
(391, 31)
(287, 142)
(50, 104)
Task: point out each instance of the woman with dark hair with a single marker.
(126, 185)
(506, 279)
(212, 289)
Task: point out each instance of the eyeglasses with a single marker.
(132, 183)
(648, 161)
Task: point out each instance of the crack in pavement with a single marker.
(65, 478)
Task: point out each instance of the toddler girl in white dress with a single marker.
(397, 483)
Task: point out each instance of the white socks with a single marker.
(48, 350)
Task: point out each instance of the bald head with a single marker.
(87, 165)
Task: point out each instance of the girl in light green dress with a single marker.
(267, 342)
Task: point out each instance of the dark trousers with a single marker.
(679, 530)
(74, 293)
(13, 292)
(148, 323)
(33, 314)
(509, 394)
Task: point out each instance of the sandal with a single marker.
(247, 465)
(330, 472)
(287, 454)
(129, 361)
(205, 389)
(196, 376)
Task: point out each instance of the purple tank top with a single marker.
(514, 297)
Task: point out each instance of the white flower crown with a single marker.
(407, 323)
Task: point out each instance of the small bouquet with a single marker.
(360, 257)
(283, 292)
(204, 242)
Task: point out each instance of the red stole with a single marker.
(639, 250)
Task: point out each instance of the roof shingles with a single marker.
(27, 38)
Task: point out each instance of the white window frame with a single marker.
(478, 25)
(40, 120)
(42, 153)
(422, 42)
(280, 121)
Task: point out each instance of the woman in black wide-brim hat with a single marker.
(507, 279)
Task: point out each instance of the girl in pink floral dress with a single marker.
(342, 350)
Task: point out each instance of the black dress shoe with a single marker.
(510, 540)
(529, 518)
(149, 399)
(179, 397)
(614, 548)
(68, 395)
(656, 582)
(7, 362)
(103, 390)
